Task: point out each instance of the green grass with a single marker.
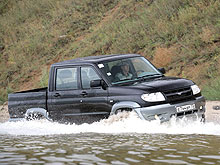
(36, 34)
(212, 92)
(44, 78)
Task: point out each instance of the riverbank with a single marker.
(4, 116)
(211, 114)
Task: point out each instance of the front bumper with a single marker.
(165, 112)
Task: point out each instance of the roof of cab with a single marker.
(95, 59)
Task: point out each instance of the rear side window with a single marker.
(66, 78)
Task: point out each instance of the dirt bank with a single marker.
(211, 114)
(4, 116)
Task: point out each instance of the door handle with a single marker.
(56, 95)
(84, 93)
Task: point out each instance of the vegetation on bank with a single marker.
(181, 35)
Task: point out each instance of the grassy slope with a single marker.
(181, 35)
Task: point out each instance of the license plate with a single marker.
(185, 108)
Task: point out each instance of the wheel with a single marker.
(122, 110)
(34, 116)
(118, 111)
(203, 118)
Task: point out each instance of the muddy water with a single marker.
(121, 139)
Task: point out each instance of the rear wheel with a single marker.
(35, 116)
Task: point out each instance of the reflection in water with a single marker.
(116, 140)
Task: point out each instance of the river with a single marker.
(121, 139)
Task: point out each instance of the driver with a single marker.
(124, 74)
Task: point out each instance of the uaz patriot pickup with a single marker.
(92, 88)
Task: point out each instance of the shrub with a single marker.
(163, 56)
(212, 91)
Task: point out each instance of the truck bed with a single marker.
(19, 102)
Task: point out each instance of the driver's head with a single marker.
(125, 67)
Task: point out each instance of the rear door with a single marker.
(64, 99)
(93, 100)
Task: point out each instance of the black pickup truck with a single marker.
(92, 88)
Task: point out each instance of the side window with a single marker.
(88, 74)
(66, 78)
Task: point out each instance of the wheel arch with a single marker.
(124, 105)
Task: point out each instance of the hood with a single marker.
(162, 84)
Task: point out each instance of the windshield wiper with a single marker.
(130, 80)
(150, 75)
(127, 80)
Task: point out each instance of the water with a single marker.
(121, 139)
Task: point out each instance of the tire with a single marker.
(203, 118)
(123, 109)
(35, 116)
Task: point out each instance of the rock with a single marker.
(216, 107)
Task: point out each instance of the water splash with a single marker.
(125, 122)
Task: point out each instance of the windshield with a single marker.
(129, 69)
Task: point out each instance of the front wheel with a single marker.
(123, 110)
(203, 118)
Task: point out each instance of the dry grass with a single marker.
(198, 73)
(163, 56)
(207, 34)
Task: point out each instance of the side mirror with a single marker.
(162, 70)
(98, 83)
(95, 83)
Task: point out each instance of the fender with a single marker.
(37, 110)
(124, 104)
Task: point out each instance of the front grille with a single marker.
(178, 95)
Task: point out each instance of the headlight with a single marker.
(195, 89)
(153, 97)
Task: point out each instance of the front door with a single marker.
(93, 100)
